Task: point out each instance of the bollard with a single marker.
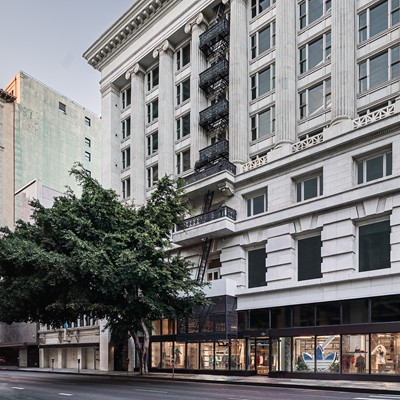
(127, 366)
(79, 365)
(52, 364)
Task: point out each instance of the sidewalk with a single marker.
(392, 388)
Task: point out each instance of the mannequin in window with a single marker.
(380, 359)
(360, 364)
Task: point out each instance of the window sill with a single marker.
(261, 14)
(262, 97)
(266, 52)
(312, 116)
(379, 35)
(318, 67)
(180, 105)
(378, 87)
(314, 23)
(182, 139)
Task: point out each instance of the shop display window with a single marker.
(156, 327)
(168, 327)
(328, 314)
(355, 311)
(355, 354)
(207, 355)
(155, 355)
(304, 315)
(327, 354)
(167, 354)
(260, 356)
(259, 319)
(193, 356)
(385, 353)
(281, 354)
(237, 358)
(303, 354)
(179, 354)
(281, 317)
(221, 354)
(385, 309)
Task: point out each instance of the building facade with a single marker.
(282, 117)
(42, 134)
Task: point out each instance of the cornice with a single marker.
(7, 97)
(125, 27)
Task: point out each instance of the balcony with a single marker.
(221, 165)
(211, 153)
(216, 77)
(214, 224)
(219, 32)
(215, 115)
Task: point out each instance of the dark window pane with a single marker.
(258, 204)
(378, 18)
(315, 10)
(242, 320)
(355, 311)
(264, 82)
(304, 315)
(309, 258)
(264, 42)
(315, 99)
(298, 190)
(259, 319)
(256, 268)
(378, 70)
(374, 246)
(186, 55)
(374, 168)
(360, 172)
(310, 188)
(388, 164)
(385, 309)
(249, 201)
(315, 53)
(281, 317)
(185, 124)
(328, 314)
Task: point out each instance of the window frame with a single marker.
(126, 128)
(304, 13)
(88, 156)
(180, 132)
(62, 107)
(126, 158)
(88, 142)
(180, 59)
(301, 181)
(88, 121)
(152, 175)
(126, 188)
(126, 97)
(251, 199)
(255, 273)
(255, 124)
(152, 111)
(361, 165)
(151, 139)
(181, 162)
(152, 78)
(304, 97)
(302, 276)
(304, 52)
(183, 91)
(255, 81)
(255, 40)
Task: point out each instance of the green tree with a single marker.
(93, 255)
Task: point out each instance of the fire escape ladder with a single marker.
(201, 269)
(208, 198)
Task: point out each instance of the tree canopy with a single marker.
(93, 255)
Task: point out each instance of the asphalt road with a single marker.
(15, 385)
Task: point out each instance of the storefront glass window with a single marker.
(281, 317)
(303, 354)
(355, 311)
(385, 356)
(259, 319)
(155, 355)
(221, 354)
(385, 309)
(281, 354)
(327, 354)
(168, 327)
(355, 357)
(156, 327)
(262, 356)
(237, 354)
(193, 356)
(179, 355)
(328, 314)
(304, 315)
(207, 355)
(167, 354)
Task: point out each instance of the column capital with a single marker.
(198, 21)
(164, 47)
(109, 88)
(136, 69)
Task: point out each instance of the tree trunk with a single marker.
(142, 348)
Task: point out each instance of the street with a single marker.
(17, 385)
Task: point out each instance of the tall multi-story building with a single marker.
(42, 134)
(283, 119)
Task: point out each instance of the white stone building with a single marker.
(283, 119)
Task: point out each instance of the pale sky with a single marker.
(46, 39)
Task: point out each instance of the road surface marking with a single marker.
(378, 397)
(65, 394)
(151, 391)
(17, 388)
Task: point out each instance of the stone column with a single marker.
(198, 100)
(238, 83)
(343, 60)
(131, 355)
(285, 75)
(138, 135)
(110, 127)
(166, 110)
(43, 361)
(105, 352)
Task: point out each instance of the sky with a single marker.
(46, 39)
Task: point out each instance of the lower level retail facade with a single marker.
(339, 340)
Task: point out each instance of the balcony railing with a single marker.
(217, 32)
(219, 72)
(221, 212)
(221, 165)
(373, 116)
(306, 143)
(217, 112)
(212, 153)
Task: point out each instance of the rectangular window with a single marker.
(258, 6)
(374, 246)
(88, 142)
(183, 126)
(263, 40)
(309, 188)
(183, 57)
(263, 82)
(256, 268)
(311, 10)
(126, 128)
(315, 52)
(377, 19)
(183, 161)
(152, 78)
(126, 188)
(87, 121)
(126, 158)
(183, 91)
(257, 204)
(316, 98)
(152, 111)
(62, 107)
(263, 124)
(374, 167)
(126, 97)
(309, 258)
(88, 156)
(152, 143)
(152, 175)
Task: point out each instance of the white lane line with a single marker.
(151, 391)
(387, 396)
(376, 397)
(65, 394)
(17, 388)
